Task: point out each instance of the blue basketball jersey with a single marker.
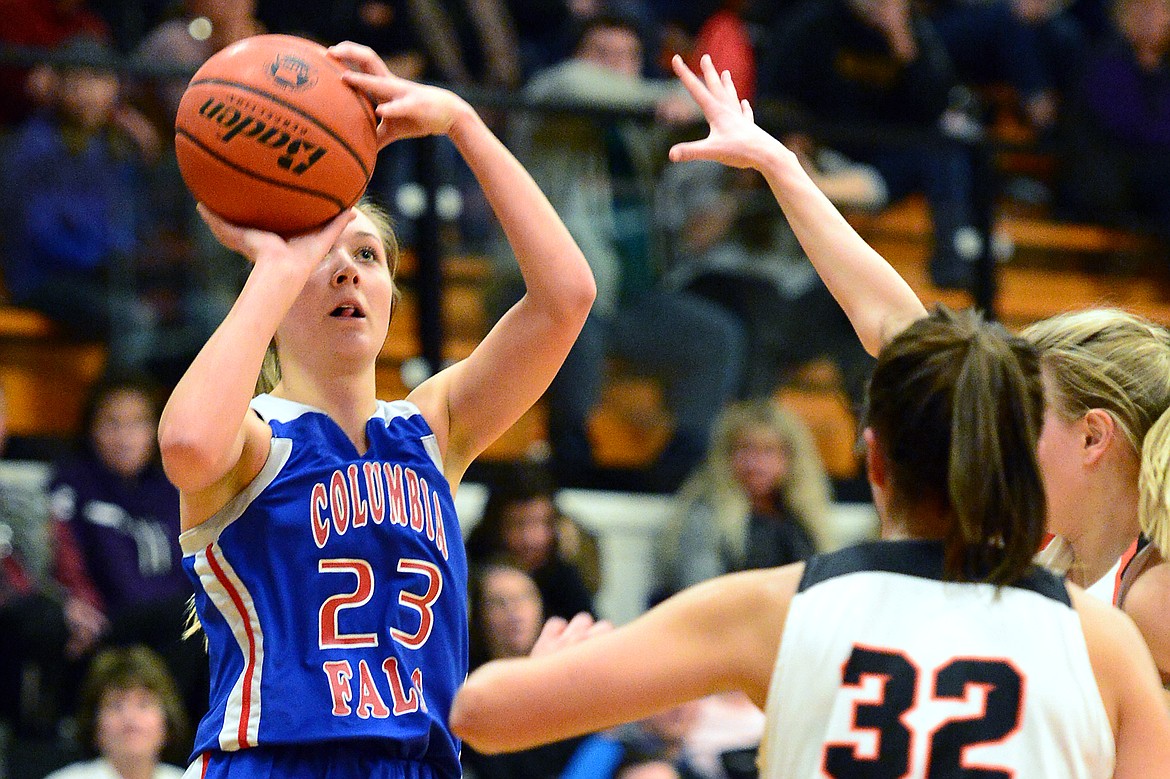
(333, 591)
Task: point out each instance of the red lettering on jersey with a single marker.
(339, 503)
(329, 635)
(395, 498)
(339, 673)
(416, 509)
(421, 603)
(440, 533)
(404, 703)
(359, 506)
(318, 502)
(376, 490)
(370, 703)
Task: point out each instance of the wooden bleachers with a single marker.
(47, 375)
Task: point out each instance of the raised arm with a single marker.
(878, 301)
(472, 403)
(718, 636)
(205, 430)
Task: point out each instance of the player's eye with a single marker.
(366, 254)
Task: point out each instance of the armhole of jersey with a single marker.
(388, 410)
(208, 531)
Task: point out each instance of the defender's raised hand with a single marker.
(735, 139)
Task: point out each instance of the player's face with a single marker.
(346, 302)
(124, 433)
(1058, 454)
(512, 612)
(131, 725)
(759, 461)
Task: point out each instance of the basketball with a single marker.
(268, 135)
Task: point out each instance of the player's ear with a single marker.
(1099, 430)
(876, 466)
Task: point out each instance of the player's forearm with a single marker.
(556, 275)
(877, 300)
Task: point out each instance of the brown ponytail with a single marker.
(958, 404)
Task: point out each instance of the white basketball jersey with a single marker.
(888, 670)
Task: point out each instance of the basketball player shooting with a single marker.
(319, 526)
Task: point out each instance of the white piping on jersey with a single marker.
(282, 410)
(229, 595)
(207, 532)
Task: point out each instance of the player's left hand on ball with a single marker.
(559, 633)
(257, 245)
(405, 109)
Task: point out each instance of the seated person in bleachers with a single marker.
(79, 225)
(761, 499)
(506, 615)
(600, 176)
(729, 242)
(130, 719)
(1033, 46)
(880, 63)
(1115, 163)
(69, 203)
(116, 527)
(521, 524)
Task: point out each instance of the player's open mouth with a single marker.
(348, 312)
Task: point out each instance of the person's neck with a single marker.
(1101, 543)
(1108, 519)
(130, 767)
(349, 399)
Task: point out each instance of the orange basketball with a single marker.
(269, 136)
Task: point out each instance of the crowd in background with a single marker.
(700, 282)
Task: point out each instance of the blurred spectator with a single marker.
(761, 499)
(653, 748)
(708, 738)
(547, 29)
(70, 190)
(1115, 164)
(116, 536)
(879, 63)
(196, 30)
(130, 719)
(726, 37)
(1033, 46)
(81, 227)
(599, 175)
(33, 631)
(191, 276)
(730, 243)
(42, 23)
(506, 615)
(522, 525)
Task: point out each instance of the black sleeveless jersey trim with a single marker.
(923, 559)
